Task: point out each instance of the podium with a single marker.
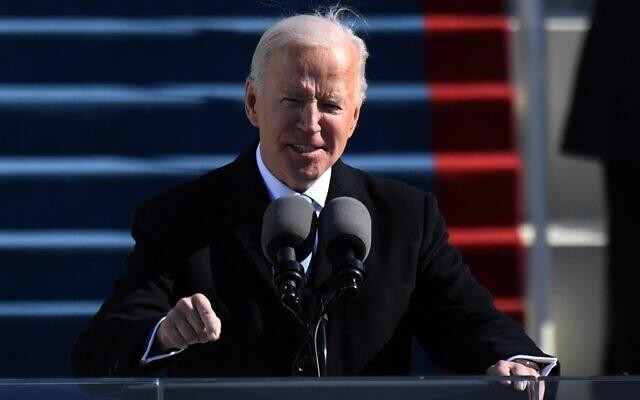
(373, 388)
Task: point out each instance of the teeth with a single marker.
(302, 149)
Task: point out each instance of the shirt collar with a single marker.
(317, 191)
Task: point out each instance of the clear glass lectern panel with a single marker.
(595, 388)
(95, 389)
(439, 388)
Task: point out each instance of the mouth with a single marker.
(304, 149)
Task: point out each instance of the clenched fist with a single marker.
(191, 321)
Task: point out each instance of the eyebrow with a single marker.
(297, 91)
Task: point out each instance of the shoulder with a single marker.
(190, 197)
(393, 196)
(180, 217)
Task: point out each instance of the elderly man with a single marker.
(198, 298)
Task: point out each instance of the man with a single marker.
(198, 297)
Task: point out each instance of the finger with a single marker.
(186, 321)
(193, 319)
(185, 330)
(541, 389)
(501, 368)
(169, 336)
(523, 370)
(518, 369)
(520, 385)
(211, 322)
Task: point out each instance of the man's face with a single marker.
(306, 110)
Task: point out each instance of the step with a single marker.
(187, 49)
(201, 118)
(474, 47)
(481, 189)
(142, 51)
(42, 335)
(155, 8)
(101, 192)
(471, 116)
(40, 264)
(495, 256)
(465, 6)
(210, 118)
(61, 265)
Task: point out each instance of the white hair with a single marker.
(326, 29)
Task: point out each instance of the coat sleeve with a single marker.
(117, 335)
(455, 318)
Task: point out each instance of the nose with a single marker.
(309, 120)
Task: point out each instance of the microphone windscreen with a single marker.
(288, 221)
(345, 223)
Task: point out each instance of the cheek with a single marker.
(283, 119)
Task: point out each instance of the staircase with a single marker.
(104, 104)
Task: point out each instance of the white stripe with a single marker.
(394, 162)
(187, 94)
(183, 26)
(65, 239)
(48, 308)
(109, 166)
(569, 234)
(184, 165)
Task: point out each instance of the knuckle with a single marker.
(200, 299)
(184, 303)
(190, 339)
(171, 316)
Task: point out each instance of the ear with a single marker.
(354, 122)
(250, 102)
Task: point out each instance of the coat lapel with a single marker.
(343, 183)
(245, 202)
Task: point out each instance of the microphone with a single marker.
(288, 233)
(345, 237)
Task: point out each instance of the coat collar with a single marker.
(246, 200)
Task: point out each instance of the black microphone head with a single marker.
(289, 221)
(345, 223)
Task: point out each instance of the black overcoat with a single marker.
(204, 237)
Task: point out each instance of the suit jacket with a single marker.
(603, 121)
(204, 236)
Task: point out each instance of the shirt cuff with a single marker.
(547, 363)
(145, 357)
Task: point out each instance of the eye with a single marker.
(331, 107)
(290, 101)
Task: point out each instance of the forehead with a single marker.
(295, 64)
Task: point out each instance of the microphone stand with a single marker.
(344, 284)
(320, 344)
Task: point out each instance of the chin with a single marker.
(303, 180)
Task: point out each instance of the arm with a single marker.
(115, 340)
(455, 317)
(143, 318)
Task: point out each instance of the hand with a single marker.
(191, 321)
(510, 368)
